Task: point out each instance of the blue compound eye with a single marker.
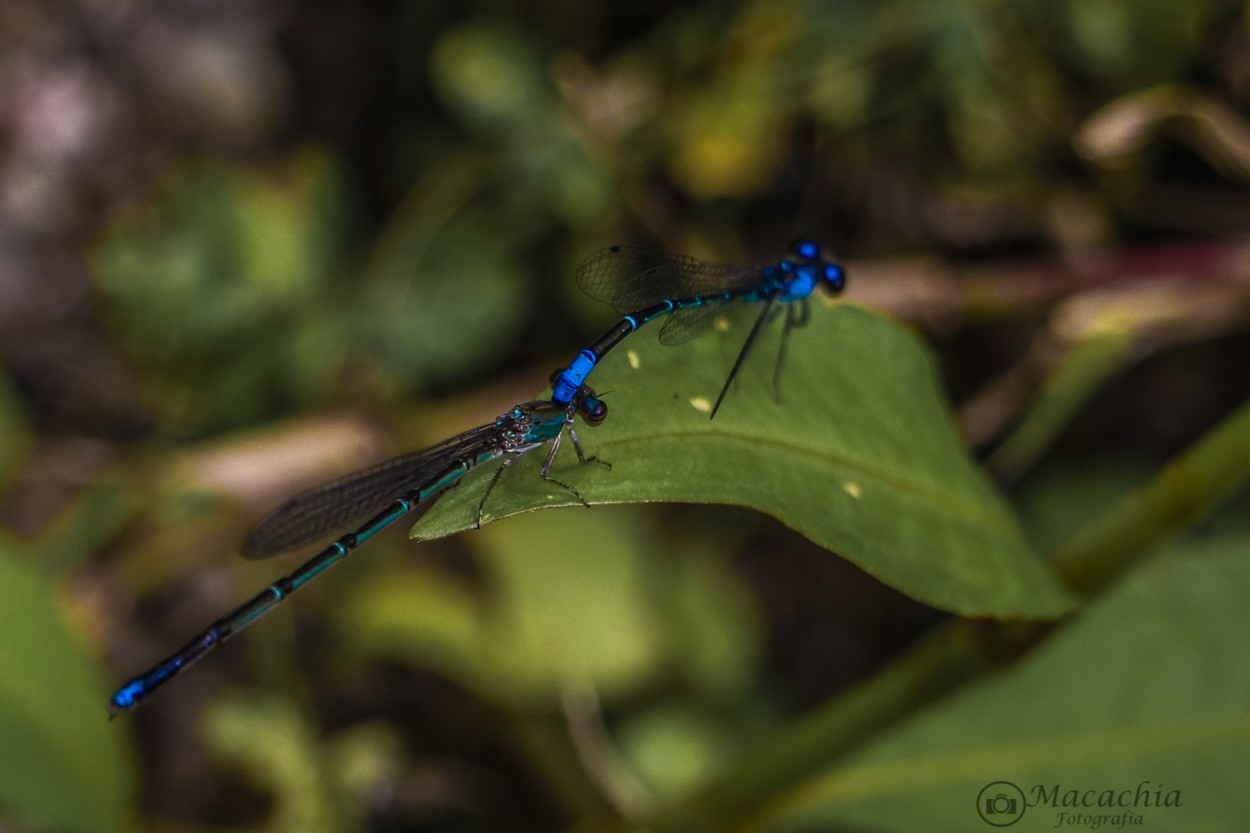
(835, 276)
(806, 249)
(596, 411)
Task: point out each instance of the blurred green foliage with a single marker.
(614, 664)
(284, 756)
(62, 765)
(231, 287)
(229, 291)
(222, 281)
(612, 619)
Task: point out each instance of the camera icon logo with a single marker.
(1000, 804)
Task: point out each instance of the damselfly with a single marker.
(646, 284)
(382, 494)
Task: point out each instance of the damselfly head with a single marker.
(593, 409)
(831, 274)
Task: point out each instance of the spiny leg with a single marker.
(551, 457)
(742, 354)
(581, 456)
(796, 316)
(494, 479)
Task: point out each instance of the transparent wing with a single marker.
(630, 278)
(684, 324)
(352, 499)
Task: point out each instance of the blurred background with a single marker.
(245, 247)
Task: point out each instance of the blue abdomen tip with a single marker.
(126, 696)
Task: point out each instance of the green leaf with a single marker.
(860, 455)
(63, 766)
(1148, 686)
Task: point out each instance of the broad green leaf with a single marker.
(860, 455)
(1149, 688)
(63, 765)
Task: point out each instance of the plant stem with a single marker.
(1186, 490)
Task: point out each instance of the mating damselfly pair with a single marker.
(641, 284)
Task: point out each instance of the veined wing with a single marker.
(353, 498)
